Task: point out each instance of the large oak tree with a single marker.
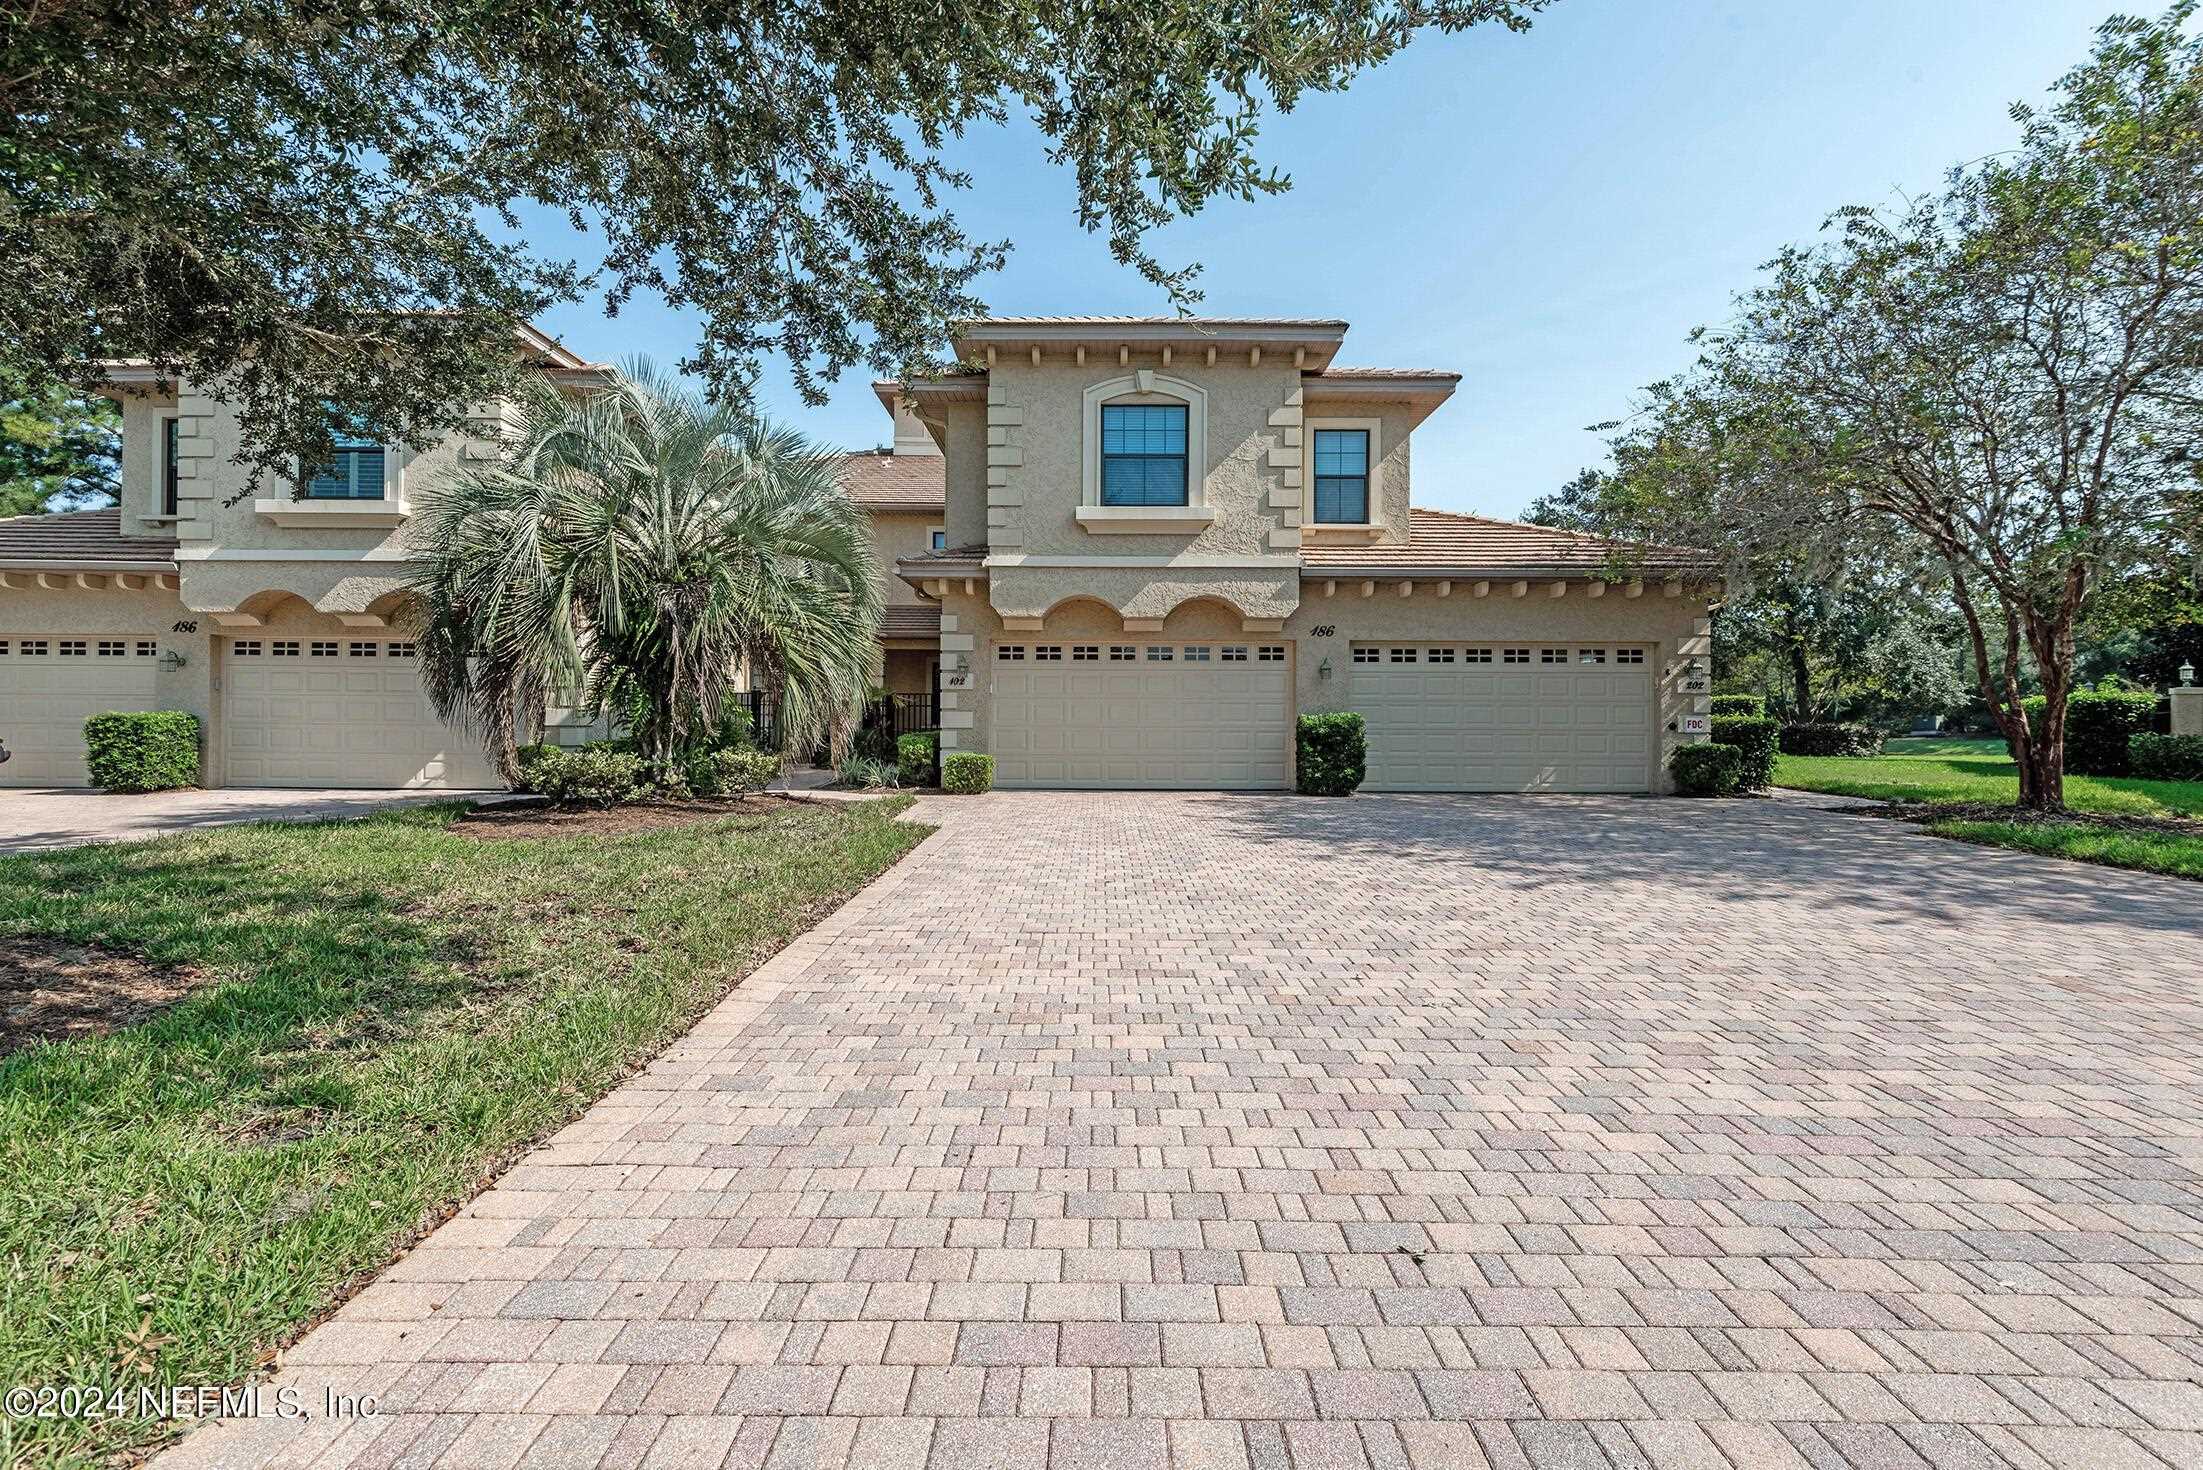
(313, 202)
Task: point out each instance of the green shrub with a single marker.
(914, 758)
(2165, 757)
(586, 777)
(156, 750)
(734, 772)
(1830, 739)
(2098, 724)
(875, 742)
(1739, 704)
(967, 773)
(1332, 753)
(1707, 770)
(868, 774)
(1753, 736)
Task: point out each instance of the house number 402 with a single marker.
(1322, 630)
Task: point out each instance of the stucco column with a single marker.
(2187, 709)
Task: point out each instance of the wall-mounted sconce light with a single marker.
(171, 660)
(1323, 670)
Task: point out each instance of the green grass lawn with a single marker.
(1981, 773)
(392, 1010)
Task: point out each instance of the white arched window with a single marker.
(1146, 443)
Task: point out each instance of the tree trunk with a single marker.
(1801, 683)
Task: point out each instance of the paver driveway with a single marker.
(1132, 1130)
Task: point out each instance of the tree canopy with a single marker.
(315, 204)
(1996, 389)
(59, 449)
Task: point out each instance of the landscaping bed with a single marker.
(370, 1019)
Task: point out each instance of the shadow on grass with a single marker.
(302, 941)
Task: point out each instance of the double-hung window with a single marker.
(355, 474)
(1342, 476)
(1143, 454)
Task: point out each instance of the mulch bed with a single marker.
(51, 990)
(1979, 811)
(495, 823)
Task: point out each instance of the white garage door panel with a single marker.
(49, 686)
(1442, 718)
(1112, 721)
(345, 718)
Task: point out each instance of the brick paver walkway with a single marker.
(1142, 1131)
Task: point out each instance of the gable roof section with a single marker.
(1441, 541)
(881, 481)
(84, 539)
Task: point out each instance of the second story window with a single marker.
(356, 474)
(1342, 476)
(937, 539)
(171, 481)
(1143, 454)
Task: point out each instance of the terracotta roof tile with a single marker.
(80, 536)
(1378, 374)
(884, 481)
(1153, 321)
(1440, 540)
(911, 622)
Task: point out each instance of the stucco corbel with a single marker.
(1254, 357)
(1522, 589)
(168, 582)
(53, 581)
(1212, 357)
(1166, 354)
(1445, 589)
(91, 581)
(1330, 588)
(1036, 357)
(129, 582)
(1672, 588)
(1634, 589)
(1560, 589)
(17, 581)
(1596, 589)
(1407, 589)
(1483, 589)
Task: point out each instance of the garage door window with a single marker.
(1365, 655)
(1629, 655)
(282, 649)
(1122, 653)
(1591, 655)
(34, 648)
(1011, 653)
(1158, 654)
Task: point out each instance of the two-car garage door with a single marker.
(338, 712)
(1194, 716)
(1498, 717)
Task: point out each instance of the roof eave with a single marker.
(1523, 572)
(85, 564)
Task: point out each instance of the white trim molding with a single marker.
(1144, 386)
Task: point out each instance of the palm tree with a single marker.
(643, 546)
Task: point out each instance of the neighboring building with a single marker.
(276, 620)
(1160, 539)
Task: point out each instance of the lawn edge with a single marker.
(408, 1240)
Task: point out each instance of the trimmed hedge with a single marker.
(1754, 738)
(967, 773)
(584, 777)
(1333, 753)
(1830, 739)
(1707, 770)
(155, 750)
(914, 758)
(1739, 704)
(2165, 757)
(2098, 725)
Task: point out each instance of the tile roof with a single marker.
(882, 481)
(911, 622)
(1443, 541)
(1153, 321)
(1377, 374)
(81, 537)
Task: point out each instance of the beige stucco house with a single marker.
(277, 620)
(1157, 540)
(1127, 552)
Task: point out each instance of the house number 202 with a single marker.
(1322, 630)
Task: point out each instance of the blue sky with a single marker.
(1546, 214)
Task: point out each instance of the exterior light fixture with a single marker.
(2187, 675)
(171, 660)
